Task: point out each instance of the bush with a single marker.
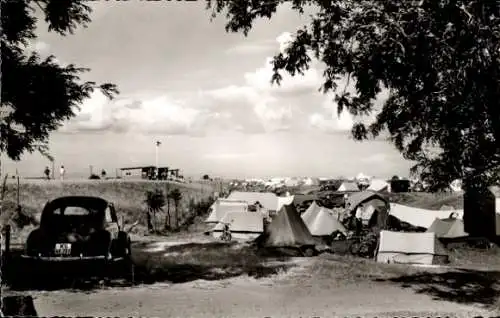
(201, 207)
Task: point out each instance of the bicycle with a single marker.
(226, 233)
(363, 245)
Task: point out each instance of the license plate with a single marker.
(63, 248)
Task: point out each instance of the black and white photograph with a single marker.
(250, 158)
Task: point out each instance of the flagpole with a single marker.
(156, 156)
(158, 143)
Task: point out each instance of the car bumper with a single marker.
(70, 266)
(70, 259)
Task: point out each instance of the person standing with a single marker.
(62, 172)
(47, 173)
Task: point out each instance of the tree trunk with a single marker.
(150, 221)
(168, 218)
(479, 208)
(176, 215)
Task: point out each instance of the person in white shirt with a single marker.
(62, 171)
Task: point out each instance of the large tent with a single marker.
(420, 217)
(268, 200)
(321, 221)
(448, 228)
(410, 248)
(286, 230)
(311, 211)
(243, 225)
(368, 206)
(220, 207)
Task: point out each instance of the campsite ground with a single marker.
(188, 274)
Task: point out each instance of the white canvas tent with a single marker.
(285, 201)
(379, 185)
(243, 225)
(287, 229)
(365, 204)
(321, 221)
(456, 185)
(410, 248)
(448, 228)
(420, 217)
(220, 207)
(268, 200)
(348, 186)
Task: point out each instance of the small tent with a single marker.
(379, 185)
(311, 211)
(221, 207)
(243, 225)
(268, 200)
(285, 201)
(321, 222)
(448, 228)
(410, 248)
(348, 186)
(456, 185)
(286, 230)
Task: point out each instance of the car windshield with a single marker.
(74, 218)
(72, 210)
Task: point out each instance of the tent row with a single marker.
(246, 225)
(286, 229)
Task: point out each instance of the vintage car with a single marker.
(78, 232)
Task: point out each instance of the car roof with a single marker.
(96, 203)
(82, 201)
(79, 199)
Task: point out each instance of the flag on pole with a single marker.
(158, 143)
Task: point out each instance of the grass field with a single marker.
(128, 196)
(429, 201)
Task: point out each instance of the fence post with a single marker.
(7, 241)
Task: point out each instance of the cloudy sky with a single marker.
(205, 94)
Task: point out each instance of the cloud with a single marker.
(282, 107)
(227, 156)
(41, 47)
(251, 48)
(333, 124)
(376, 158)
(149, 116)
(253, 107)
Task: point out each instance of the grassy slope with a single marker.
(430, 201)
(128, 196)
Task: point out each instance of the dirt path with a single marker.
(245, 297)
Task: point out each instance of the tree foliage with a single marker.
(39, 94)
(438, 59)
